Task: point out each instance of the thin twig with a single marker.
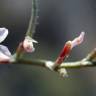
(41, 63)
(30, 30)
(33, 19)
(77, 64)
(88, 61)
(91, 56)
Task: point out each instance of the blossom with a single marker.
(4, 51)
(68, 47)
(28, 44)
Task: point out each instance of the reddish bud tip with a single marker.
(67, 48)
(64, 53)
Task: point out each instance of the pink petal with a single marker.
(78, 40)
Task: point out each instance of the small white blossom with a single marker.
(28, 44)
(4, 51)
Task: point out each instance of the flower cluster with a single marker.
(27, 44)
(5, 54)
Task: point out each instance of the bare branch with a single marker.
(42, 63)
(89, 61)
(91, 56)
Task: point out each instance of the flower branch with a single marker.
(90, 62)
(58, 66)
(27, 46)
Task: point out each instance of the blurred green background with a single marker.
(59, 21)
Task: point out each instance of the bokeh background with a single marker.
(59, 21)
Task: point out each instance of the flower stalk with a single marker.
(27, 44)
(33, 19)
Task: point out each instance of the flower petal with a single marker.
(5, 51)
(3, 34)
(4, 57)
(78, 40)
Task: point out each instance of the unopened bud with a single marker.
(28, 44)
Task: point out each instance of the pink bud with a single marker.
(28, 44)
(67, 48)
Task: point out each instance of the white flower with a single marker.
(28, 44)
(4, 51)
